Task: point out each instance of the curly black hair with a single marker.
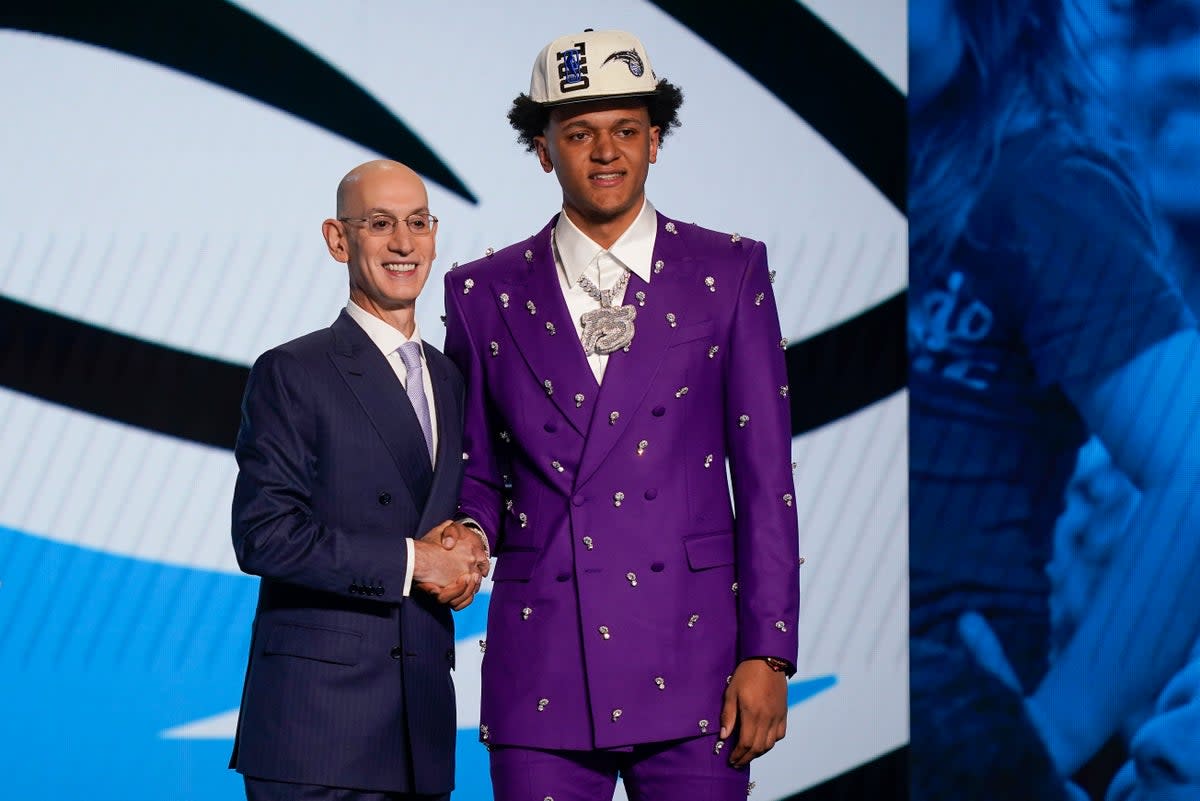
(530, 119)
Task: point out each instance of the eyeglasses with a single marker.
(380, 224)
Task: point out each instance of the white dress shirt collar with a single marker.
(633, 250)
(385, 337)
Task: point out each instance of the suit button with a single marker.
(563, 577)
(659, 411)
(550, 426)
(397, 652)
(578, 500)
(651, 494)
(354, 589)
(657, 567)
(385, 498)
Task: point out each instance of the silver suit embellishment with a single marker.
(557, 465)
(641, 297)
(671, 319)
(658, 266)
(771, 276)
(543, 703)
(489, 252)
(551, 329)
(734, 587)
(671, 228)
(604, 633)
(717, 748)
(711, 283)
(524, 518)
(587, 542)
(783, 343)
(613, 417)
(529, 255)
(713, 351)
(616, 715)
(708, 460)
(735, 238)
(504, 299)
(745, 418)
(758, 299)
(704, 727)
(679, 393)
(483, 646)
(692, 621)
(618, 497)
(631, 577)
(660, 682)
(468, 285)
(495, 346)
(525, 613)
(549, 386)
(641, 448)
(779, 624)
(578, 399)
(532, 308)
(787, 499)
(783, 391)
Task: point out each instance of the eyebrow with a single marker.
(622, 121)
(390, 213)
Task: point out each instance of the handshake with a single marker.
(450, 563)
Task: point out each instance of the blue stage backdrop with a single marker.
(1054, 201)
(166, 171)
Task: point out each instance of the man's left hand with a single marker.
(756, 706)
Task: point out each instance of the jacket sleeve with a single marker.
(276, 534)
(758, 430)
(483, 486)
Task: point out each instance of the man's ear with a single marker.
(543, 153)
(655, 133)
(334, 232)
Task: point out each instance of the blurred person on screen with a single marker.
(349, 470)
(1038, 315)
(615, 361)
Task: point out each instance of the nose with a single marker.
(401, 240)
(604, 149)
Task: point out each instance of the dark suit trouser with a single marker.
(264, 790)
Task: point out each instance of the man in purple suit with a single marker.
(615, 362)
(348, 452)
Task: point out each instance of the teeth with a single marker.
(608, 176)
(399, 268)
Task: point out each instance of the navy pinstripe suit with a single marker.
(348, 683)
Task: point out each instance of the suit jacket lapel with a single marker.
(374, 383)
(554, 355)
(449, 425)
(628, 376)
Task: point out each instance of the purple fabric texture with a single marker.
(626, 588)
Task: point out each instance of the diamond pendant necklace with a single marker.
(605, 329)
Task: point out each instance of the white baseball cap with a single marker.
(592, 65)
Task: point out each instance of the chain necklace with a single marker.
(605, 329)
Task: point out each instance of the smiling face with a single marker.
(601, 153)
(386, 273)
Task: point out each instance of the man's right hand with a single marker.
(449, 564)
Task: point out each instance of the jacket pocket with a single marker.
(709, 550)
(690, 333)
(311, 642)
(515, 565)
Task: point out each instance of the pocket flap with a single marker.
(515, 565)
(690, 333)
(312, 642)
(709, 550)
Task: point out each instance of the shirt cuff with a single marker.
(410, 564)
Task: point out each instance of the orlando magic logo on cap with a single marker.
(619, 67)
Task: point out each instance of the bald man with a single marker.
(349, 451)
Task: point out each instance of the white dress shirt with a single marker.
(389, 340)
(577, 255)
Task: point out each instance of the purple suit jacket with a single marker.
(626, 589)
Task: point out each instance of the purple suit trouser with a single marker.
(683, 770)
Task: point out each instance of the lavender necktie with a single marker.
(410, 354)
